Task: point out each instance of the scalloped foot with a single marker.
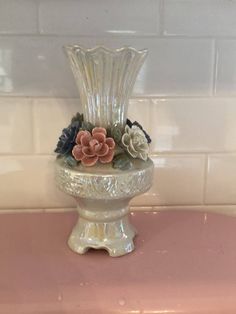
(116, 237)
(123, 248)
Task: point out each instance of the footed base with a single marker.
(103, 194)
(116, 237)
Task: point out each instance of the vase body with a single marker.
(105, 79)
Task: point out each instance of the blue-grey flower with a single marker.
(66, 141)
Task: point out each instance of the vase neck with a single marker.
(105, 79)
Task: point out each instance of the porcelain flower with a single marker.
(135, 142)
(93, 147)
(67, 139)
(130, 124)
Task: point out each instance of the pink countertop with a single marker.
(185, 262)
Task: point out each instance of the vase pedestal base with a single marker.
(115, 236)
(103, 194)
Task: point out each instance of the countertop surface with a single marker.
(184, 262)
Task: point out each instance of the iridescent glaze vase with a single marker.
(105, 80)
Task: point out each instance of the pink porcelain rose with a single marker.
(93, 147)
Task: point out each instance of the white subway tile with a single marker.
(37, 66)
(178, 180)
(130, 17)
(28, 182)
(140, 110)
(192, 125)
(226, 67)
(34, 66)
(175, 67)
(199, 18)
(229, 210)
(50, 117)
(175, 125)
(15, 126)
(180, 125)
(18, 16)
(221, 179)
(39, 191)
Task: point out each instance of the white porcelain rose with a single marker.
(135, 142)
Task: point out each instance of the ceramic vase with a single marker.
(105, 79)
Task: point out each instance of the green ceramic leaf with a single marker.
(118, 150)
(70, 161)
(87, 126)
(122, 162)
(116, 132)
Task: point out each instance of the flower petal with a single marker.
(100, 137)
(143, 155)
(132, 147)
(99, 130)
(89, 161)
(127, 129)
(108, 158)
(93, 142)
(125, 139)
(137, 130)
(79, 135)
(145, 133)
(88, 151)
(110, 142)
(77, 152)
(97, 147)
(85, 139)
(103, 151)
(133, 153)
(143, 147)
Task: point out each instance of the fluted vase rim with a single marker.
(105, 78)
(76, 47)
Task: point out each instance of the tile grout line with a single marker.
(212, 70)
(27, 155)
(152, 155)
(33, 127)
(215, 69)
(133, 98)
(192, 206)
(119, 36)
(205, 177)
(161, 18)
(210, 207)
(38, 17)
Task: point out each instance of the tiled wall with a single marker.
(184, 95)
